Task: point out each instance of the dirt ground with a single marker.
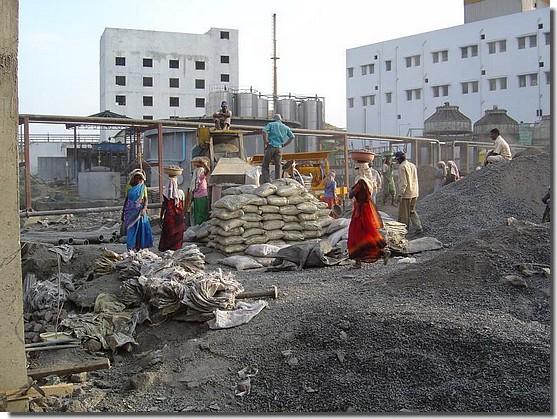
(448, 333)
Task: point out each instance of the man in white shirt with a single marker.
(409, 192)
(501, 150)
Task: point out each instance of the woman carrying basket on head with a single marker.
(134, 213)
(172, 213)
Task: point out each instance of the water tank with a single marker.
(262, 107)
(541, 136)
(311, 113)
(288, 109)
(447, 120)
(246, 105)
(496, 118)
(216, 97)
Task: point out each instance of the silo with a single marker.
(246, 105)
(287, 108)
(310, 113)
(215, 98)
(496, 118)
(262, 107)
(541, 136)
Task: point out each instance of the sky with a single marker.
(59, 42)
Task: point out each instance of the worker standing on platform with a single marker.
(223, 117)
(276, 135)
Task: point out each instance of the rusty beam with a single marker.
(346, 159)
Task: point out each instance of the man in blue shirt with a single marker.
(275, 134)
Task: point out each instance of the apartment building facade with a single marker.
(393, 86)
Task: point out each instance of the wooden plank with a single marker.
(100, 364)
(58, 390)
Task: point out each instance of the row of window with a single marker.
(173, 102)
(172, 82)
(499, 83)
(148, 62)
(468, 51)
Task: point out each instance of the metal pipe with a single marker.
(160, 152)
(27, 158)
(31, 213)
(273, 293)
(75, 153)
(346, 167)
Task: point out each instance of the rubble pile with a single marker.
(282, 212)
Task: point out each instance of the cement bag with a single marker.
(191, 233)
(337, 224)
(247, 189)
(241, 263)
(310, 197)
(288, 182)
(203, 231)
(234, 190)
(273, 224)
(279, 201)
(253, 232)
(250, 217)
(234, 248)
(238, 231)
(293, 236)
(310, 225)
(322, 205)
(338, 235)
(253, 175)
(262, 250)
(252, 209)
(227, 241)
(278, 243)
(265, 261)
(256, 240)
(289, 210)
(312, 234)
(265, 190)
(223, 214)
(324, 222)
(290, 218)
(307, 207)
(270, 217)
(287, 190)
(269, 209)
(296, 199)
(292, 227)
(308, 217)
(323, 212)
(235, 202)
(274, 234)
(258, 201)
(423, 244)
(254, 224)
(229, 224)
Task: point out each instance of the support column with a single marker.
(75, 154)
(13, 373)
(27, 157)
(346, 167)
(160, 152)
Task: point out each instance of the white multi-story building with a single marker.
(393, 86)
(159, 75)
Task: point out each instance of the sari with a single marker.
(365, 242)
(173, 226)
(138, 229)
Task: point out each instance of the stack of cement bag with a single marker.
(278, 213)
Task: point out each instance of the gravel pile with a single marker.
(485, 198)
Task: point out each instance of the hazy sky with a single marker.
(59, 42)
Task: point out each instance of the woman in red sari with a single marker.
(365, 242)
(172, 217)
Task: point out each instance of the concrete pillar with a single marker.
(13, 374)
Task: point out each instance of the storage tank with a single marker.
(312, 113)
(262, 107)
(496, 118)
(447, 121)
(216, 97)
(287, 108)
(246, 105)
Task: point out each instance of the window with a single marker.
(464, 52)
(147, 82)
(464, 88)
(199, 84)
(147, 100)
(199, 102)
(367, 69)
(547, 38)
(502, 46)
(388, 97)
(503, 83)
(441, 90)
(445, 55)
(147, 62)
(417, 94)
(173, 82)
(441, 56)
(497, 46)
(469, 87)
(525, 80)
(533, 79)
(224, 59)
(388, 65)
(120, 100)
(225, 77)
(413, 93)
(174, 102)
(368, 100)
(149, 117)
(474, 50)
(120, 61)
(414, 60)
(200, 65)
(522, 42)
(173, 64)
(350, 102)
(408, 61)
(492, 84)
(498, 83)
(474, 87)
(436, 57)
(469, 51)
(224, 35)
(522, 81)
(533, 39)
(350, 71)
(120, 80)
(491, 47)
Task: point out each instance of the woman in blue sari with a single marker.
(134, 214)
